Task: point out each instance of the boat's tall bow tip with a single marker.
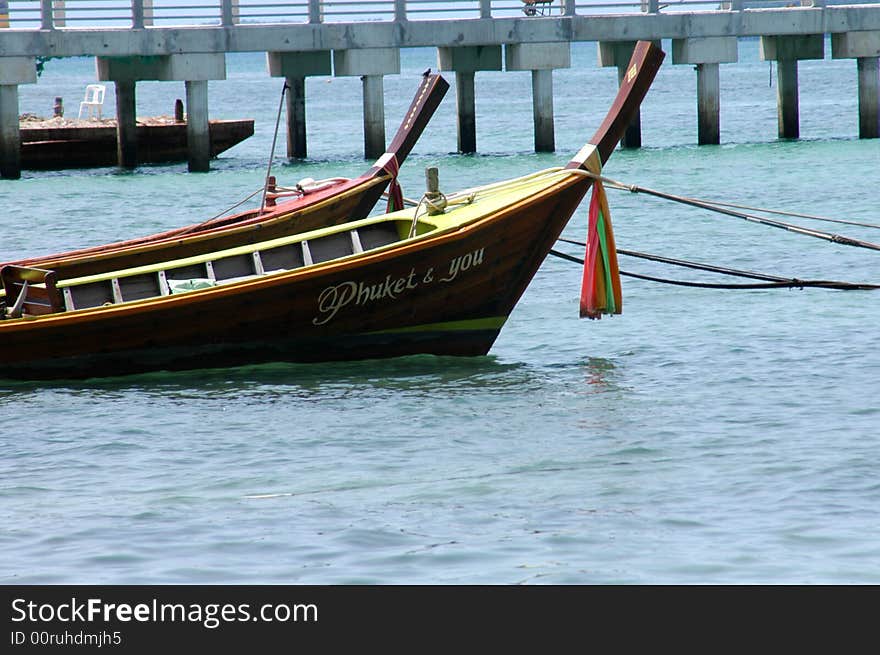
(646, 60)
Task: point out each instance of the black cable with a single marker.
(780, 283)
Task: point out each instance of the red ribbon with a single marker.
(395, 192)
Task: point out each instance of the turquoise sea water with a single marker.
(704, 436)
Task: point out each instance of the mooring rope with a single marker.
(727, 210)
(771, 281)
(778, 212)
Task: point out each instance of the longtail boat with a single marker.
(441, 278)
(306, 206)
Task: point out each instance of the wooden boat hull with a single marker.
(56, 148)
(399, 284)
(447, 295)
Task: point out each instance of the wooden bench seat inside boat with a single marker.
(227, 266)
(31, 291)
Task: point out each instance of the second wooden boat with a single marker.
(306, 207)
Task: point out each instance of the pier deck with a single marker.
(179, 41)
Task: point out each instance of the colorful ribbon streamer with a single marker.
(600, 288)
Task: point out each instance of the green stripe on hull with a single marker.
(491, 323)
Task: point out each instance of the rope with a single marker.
(717, 207)
(774, 281)
(694, 265)
(213, 218)
(811, 217)
(407, 202)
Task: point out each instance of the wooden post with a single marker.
(296, 118)
(126, 124)
(708, 104)
(10, 135)
(869, 97)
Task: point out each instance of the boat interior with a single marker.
(37, 292)
(31, 292)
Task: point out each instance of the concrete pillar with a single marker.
(869, 97)
(296, 118)
(374, 116)
(618, 54)
(465, 62)
(864, 47)
(787, 100)
(13, 71)
(198, 136)
(706, 54)
(708, 104)
(194, 69)
(126, 124)
(10, 135)
(540, 59)
(466, 111)
(295, 67)
(371, 65)
(786, 51)
(542, 110)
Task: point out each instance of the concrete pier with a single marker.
(369, 47)
(541, 59)
(13, 71)
(194, 69)
(370, 65)
(465, 62)
(10, 136)
(869, 97)
(864, 47)
(295, 67)
(374, 116)
(706, 54)
(786, 51)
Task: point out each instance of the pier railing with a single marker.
(79, 14)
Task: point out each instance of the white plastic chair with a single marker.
(93, 101)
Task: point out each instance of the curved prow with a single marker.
(427, 98)
(640, 73)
